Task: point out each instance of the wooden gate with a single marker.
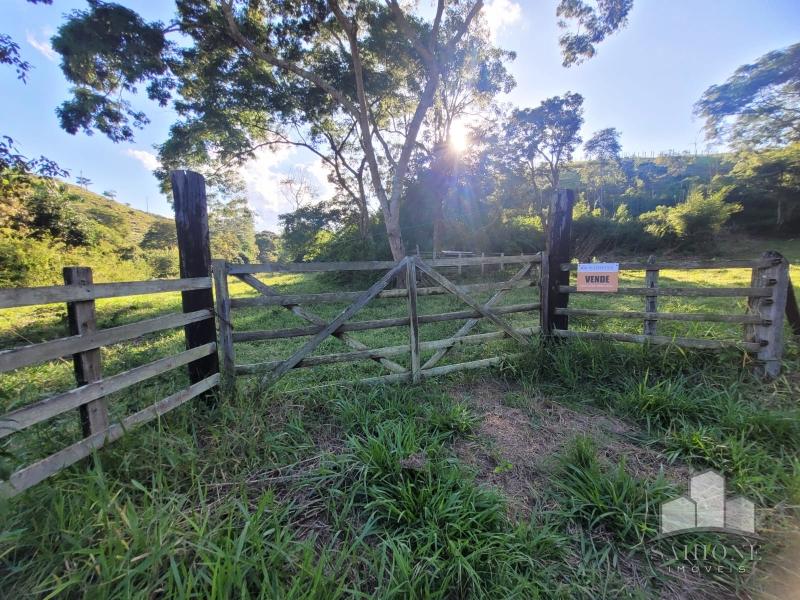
(320, 329)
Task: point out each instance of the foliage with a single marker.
(694, 222)
(546, 135)
(161, 235)
(594, 24)
(230, 226)
(353, 83)
(301, 229)
(766, 183)
(268, 245)
(759, 105)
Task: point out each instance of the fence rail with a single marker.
(90, 396)
(412, 267)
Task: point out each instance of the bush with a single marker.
(694, 222)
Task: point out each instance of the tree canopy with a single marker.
(759, 105)
(352, 81)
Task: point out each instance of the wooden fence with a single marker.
(413, 267)
(83, 343)
(768, 297)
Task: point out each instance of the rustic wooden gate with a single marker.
(319, 329)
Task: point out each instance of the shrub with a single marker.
(694, 222)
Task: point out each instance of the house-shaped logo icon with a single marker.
(706, 508)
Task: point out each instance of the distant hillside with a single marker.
(121, 223)
(46, 225)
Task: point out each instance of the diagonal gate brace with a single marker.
(315, 319)
(470, 324)
(486, 312)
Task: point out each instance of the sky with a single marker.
(644, 81)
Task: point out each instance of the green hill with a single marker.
(46, 225)
(118, 221)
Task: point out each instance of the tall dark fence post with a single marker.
(559, 230)
(194, 248)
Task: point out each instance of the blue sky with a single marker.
(643, 81)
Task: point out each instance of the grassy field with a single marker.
(541, 478)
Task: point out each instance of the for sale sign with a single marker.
(598, 277)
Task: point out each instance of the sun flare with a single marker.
(459, 137)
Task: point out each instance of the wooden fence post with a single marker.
(650, 302)
(792, 309)
(88, 368)
(483, 254)
(502, 266)
(413, 319)
(559, 231)
(223, 300)
(769, 333)
(194, 249)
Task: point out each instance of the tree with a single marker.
(302, 227)
(110, 194)
(267, 244)
(249, 75)
(769, 181)
(595, 23)
(230, 227)
(605, 148)
(759, 105)
(543, 139)
(83, 182)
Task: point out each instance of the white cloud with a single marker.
(263, 176)
(43, 44)
(500, 14)
(148, 159)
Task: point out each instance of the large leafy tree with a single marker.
(759, 105)
(542, 140)
(604, 149)
(351, 80)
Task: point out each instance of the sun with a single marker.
(459, 137)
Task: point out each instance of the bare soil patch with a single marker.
(513, 446)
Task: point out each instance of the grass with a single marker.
(347, 492)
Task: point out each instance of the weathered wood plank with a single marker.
(11, 297)
(22, 356)
(41, 470)
(277, 299)
(273, 334)
(81, 319)
(376, 265)
(372, 353)
(406, 377)
(769, 333)
(683, 264)
(651, 301)
(756, 292)
(453, 289)
(469, 325)
(37, 412)
(318, 322)
(223, 304)
(661, 316)
(348, 312)
(658, 340)
(413, 318)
